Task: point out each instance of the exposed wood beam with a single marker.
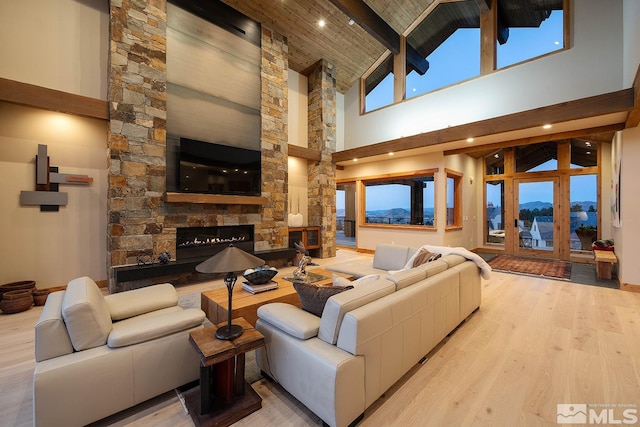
(50, 99)
(379, 29)
(484, 5)
(613, 102)
(633, 119)
(304, 153)
(371, 22)
(540, 138)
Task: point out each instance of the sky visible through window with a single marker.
(458, 59)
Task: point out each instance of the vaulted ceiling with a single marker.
(349, 47)
(354, 47)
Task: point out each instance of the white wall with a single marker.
(631, 46)
(471, 197)
(626, 237)
(298, 188)
(592, 66)
(52, 247)
(58, 44)
(298, 108)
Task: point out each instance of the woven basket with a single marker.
(40, 296)
(16, 301)
(16, 286)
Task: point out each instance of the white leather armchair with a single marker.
(97, 355)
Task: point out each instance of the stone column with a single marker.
(272, 232)
(322, 136)
(137, 132)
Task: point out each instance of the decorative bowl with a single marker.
(259, 275)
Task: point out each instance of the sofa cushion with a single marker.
(434, 267)
(135, 330)
(85, 314)
(452, 260)
(314, 297)
(390, 257)
(342, 303)
(404, 278)
(51, 337)
(341, 281)
(355, 268)
(123, 305)
(290, 319)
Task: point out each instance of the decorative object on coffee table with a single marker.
(230, 260)
(260, 275)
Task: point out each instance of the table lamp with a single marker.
(229, 261)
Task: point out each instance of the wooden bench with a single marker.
(604, 263)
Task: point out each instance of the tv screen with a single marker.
(206, 167)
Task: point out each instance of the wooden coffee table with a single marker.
(245, 304)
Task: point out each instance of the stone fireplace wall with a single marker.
(322, 136)
(140, 222)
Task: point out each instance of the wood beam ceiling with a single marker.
(379, 29)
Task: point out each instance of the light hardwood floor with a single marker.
(533, 344)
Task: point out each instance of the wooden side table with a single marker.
(224, 396)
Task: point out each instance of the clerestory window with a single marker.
(456, 41)
(449, 39)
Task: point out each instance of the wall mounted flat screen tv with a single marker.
(211, 168)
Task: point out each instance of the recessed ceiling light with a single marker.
(470, 139)
(321, 23)
(547, 126)
(587, 143)
(497, 156)
(588, 152)
(391, 153)
(355, 160)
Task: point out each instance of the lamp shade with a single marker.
(229, 259)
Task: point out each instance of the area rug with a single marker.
(560, 270)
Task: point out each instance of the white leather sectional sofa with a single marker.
(97, 355)
(368, 337)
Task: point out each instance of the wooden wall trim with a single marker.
(633, 119)
(50, 99)
(215, 199)
(613, 102)
(304, 153)
(539, 138)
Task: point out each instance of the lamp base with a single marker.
(229, 332)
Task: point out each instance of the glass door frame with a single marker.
(517, 249)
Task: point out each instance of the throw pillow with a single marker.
(422, 257)
(313, 298)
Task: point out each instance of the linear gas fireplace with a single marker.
(199, 242)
